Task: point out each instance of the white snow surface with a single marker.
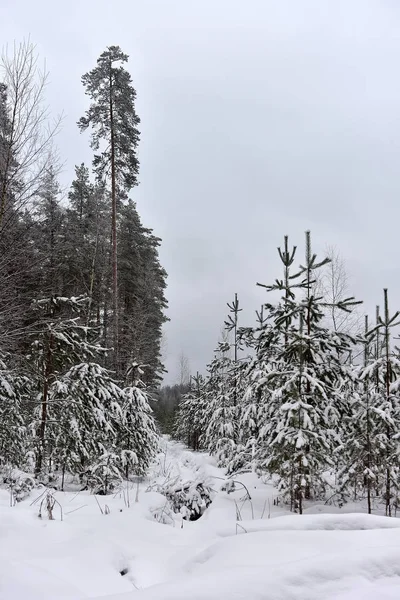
(326, 554)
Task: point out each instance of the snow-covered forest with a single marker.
(82, 290)
(272, 472)
(309, 395)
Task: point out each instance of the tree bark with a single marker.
(114, 228)
(43, 419)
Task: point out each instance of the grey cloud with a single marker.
(259, 118)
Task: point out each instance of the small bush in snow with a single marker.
(190, 498)
(163, 514)
(19, 483)
(105, 475)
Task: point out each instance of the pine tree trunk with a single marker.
(308, 323)
(366, 394)
(92, 277)
(300, 489)
(292, 502)
(114, 229)
(387, 385)
(43, 419)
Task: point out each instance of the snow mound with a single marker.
(290, 565)
(324, 522)
(127, 553)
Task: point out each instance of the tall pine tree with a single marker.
(114, 122)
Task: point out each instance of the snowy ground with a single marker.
(266, 554)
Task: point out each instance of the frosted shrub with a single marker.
(190, 498)
(19, 483)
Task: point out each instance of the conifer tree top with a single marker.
(112, 115)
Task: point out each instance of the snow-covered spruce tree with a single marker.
(237, 380)
(189, 420)
(305, 384)
(103, 431)
(239, 373)
(48, 232)
(86, 423)
(13, 431)
(360, 451)
(86, 246)
(266, 341)
(220, 433)
(225, 389)
(251, 404)
(60, 341)
(86, 410)
(231, 326)
(383, 373)
(137, 439)
(141, 288)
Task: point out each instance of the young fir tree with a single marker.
(189, 420)
(60, 341)
(256, 397)
(231, 326)
(86, 410)
(360, 452)
(306, 383)
(102, 431)
(137, 437)
(221, 432)
(383, 373)
(225, 390)
(113, 119)
(13, 431)
(266, 340)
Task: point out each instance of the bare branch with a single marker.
(28, 130)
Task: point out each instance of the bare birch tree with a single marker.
(332, 284)
(184, 369)
(27, 130)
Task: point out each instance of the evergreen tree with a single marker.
(87, 247)
(137, 439)
(189, 421)
(384, 375)
(49, 237)
(80, 232)
(59, 407)
(142, 283)
(60, 341)
(86, 412)
(225, 391)
(13, 431)
(306, 388)
(360, 452)
(254, 411)
(113, 119)
(267, 341)
(221, 431)
(165, 406)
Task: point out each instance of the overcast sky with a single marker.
(259, 118)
